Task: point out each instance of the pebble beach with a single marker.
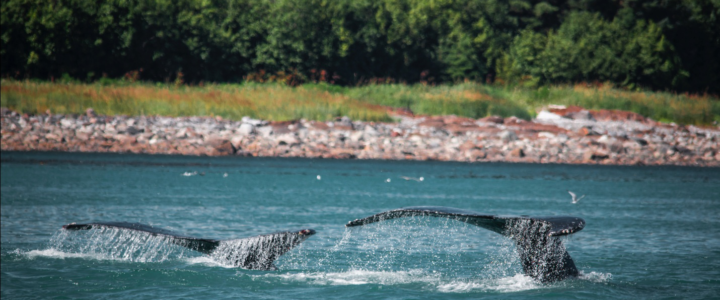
(558, 134)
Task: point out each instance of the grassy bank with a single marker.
(323, 102)
(265, 101)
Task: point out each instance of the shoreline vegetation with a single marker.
(468, 122)
(276, 101)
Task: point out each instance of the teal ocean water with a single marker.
(651, 232)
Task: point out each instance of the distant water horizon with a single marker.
(651, 232)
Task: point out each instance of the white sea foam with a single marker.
(433, 281)
(208, 261)
(516, 283)
(59, 254)
(358, 277)
(595, 277)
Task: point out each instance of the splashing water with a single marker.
(116, 244)
(445, 248)
(441, 245)
(596, 277)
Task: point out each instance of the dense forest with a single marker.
(657, 44)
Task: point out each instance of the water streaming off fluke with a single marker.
(140, 242)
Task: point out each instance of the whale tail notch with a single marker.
(542, 254)
(253, 253)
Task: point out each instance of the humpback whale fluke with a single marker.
(254, 253)
(542, 254)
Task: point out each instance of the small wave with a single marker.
(434, 281)
(207, 261)
(54, 253)
(516, 283)
(59, 254)
(596, 277)
(358, 277)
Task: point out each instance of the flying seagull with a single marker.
(575, 199)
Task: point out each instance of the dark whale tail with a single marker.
(254, 253)
(542, 254)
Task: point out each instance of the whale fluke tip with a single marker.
(307, 232)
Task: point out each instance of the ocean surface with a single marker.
(651, 232)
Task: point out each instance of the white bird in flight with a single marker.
(575, 199)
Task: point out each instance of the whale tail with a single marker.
(542, 254)
(253, 253)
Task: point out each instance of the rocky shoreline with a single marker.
(559, 134)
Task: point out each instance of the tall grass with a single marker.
(324, 101)
(265, 101)
(467, 99)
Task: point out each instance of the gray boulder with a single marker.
(246, 129)
(508, 136)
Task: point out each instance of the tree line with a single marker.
(657, 44)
